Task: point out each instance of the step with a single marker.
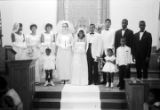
(103, 95)
(55, 103)
(73, 109)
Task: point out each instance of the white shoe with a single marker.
(46, 83)
(107, 84)
(52, 84)
(111, 84)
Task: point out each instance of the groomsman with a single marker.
(93, 52)
(125, 33)
(128, 35)
(108, 36)
(142, 50)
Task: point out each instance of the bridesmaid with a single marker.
(64, 52)
(19, 42)
(33, 47)
(48, 39)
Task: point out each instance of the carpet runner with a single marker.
(68, 97)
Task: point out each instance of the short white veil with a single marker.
(15, 27)
(70, 27)
(79, 29)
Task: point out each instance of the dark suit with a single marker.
(128, 35)
(142, 51)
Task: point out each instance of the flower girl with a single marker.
(110, 67)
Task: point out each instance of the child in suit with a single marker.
(123, 59)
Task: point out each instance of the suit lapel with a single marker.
(143, 35)
(138, 36)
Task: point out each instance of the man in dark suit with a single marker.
(128, 35)
(124, 32)
(142, 49)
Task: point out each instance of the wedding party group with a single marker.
(79, 56)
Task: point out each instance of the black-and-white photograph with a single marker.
(79, 54)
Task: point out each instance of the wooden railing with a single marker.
(137, 91)
(21, 77)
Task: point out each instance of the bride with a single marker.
(64, 43)
(79, 70)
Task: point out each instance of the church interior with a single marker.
(139, 94)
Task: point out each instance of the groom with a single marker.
(93, 52)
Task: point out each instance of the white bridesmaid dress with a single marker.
(33, 44)
(20, 47)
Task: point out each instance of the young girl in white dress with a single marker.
(79, 68)
(33, 47)
(19, 42)
(110, 67)
(49, 67)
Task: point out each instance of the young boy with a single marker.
(49, 67)
(123, 59)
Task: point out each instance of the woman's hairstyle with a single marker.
(108, 20)
(20, 25)
(110, 50)
(81, 31)
(66, 24)
(48, 25)
(48, 50)
(33, 25)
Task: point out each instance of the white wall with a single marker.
(43, 11)
(134, 11)
(26, 12)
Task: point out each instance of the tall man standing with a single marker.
(108, 36)
(128, 35)
(93, 52)
(142, 49)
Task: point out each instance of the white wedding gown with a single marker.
(79, 66)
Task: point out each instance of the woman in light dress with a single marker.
(79, 69)
(48, 39)
(33, 47)
(19, 42)
(64, 44)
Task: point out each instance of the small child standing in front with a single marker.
(49, 67)
(123, 59)
(109, 68)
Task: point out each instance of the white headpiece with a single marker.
(70, 27)
(15, 27)
(79, 29)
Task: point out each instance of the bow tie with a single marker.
(92, 33)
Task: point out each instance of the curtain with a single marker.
(60, 10)
(105, 10)
(95, 11)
